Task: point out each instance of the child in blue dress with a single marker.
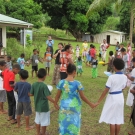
(70, 91)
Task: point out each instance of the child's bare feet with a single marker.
(29, 128)
(3, 112)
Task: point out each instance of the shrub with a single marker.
(14, 49)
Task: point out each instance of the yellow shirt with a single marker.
(85, 46)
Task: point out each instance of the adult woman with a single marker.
(56, 72)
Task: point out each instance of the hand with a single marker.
(56, 106)
(132, 91)
(59, 51)
(94, 105)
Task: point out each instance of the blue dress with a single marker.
(70, 108)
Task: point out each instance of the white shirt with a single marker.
(116, 82)
(1, 83)
(133, 75)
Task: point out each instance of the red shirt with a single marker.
(8, 76)
(92, 52)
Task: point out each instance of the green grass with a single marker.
(93, 89)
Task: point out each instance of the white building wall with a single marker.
(114, 37)
(3, 37)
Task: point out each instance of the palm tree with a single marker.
(100, 4)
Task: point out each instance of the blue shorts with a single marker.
(42, 118)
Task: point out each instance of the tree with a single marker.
(100, 4)
(111, 23)
(124, 15)
(25, 10)
(71, 15)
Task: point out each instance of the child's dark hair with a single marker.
(67, 47)
(2, 63)
(71, 68)
(133, 59)
(79, 58)
(24, 74)
(34, 50)
(22, 55)
(41, 73)
(123, 50)
(111, 53)
(9, 57)
(91, 45)
(17, 66)
(118, 63)
(47, 48)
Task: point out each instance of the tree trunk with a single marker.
(131, 24)
(76, 34)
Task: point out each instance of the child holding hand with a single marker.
(113, 110)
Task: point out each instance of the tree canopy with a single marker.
(26, 10)
(71, 15)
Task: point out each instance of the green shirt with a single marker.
(40, 92)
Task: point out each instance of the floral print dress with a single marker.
(70, 107)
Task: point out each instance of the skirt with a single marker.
(56, 74)
(94, 73)
(130, 96)
(70, 120)
(113, 110)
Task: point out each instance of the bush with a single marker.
(14, 49)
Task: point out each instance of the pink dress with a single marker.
(129, 55)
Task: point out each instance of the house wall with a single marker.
(114, 37)
(3, 37)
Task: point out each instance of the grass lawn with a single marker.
(93, 89)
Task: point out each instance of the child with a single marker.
(70, 91)
(23, 89)
(41, 95)
(8, 85)
(131, 77)
(2, 96)
(113, 110)
(92, 52)
(132, 116)
(48, 58)
(79, 66)
(125, 59)
(88, 56)
(35, 60)
(9, 63)
(77, 51)
(21, 61)
(94, 67)
(110, 62)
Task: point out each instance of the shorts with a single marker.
(24, 107)
(2, 95)
(34, 68)
(63, 75)
(42, 118)
(84, 53)
(47, 64)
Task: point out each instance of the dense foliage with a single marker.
(25, 10)
(71, 15)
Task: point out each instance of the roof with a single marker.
(117, 32)
(9, 21)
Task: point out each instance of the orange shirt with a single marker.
(64, 59)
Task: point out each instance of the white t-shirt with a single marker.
(133, 75)
(116, 82)
(1, 83)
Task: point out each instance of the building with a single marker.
(111, 36)
(12, 22)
